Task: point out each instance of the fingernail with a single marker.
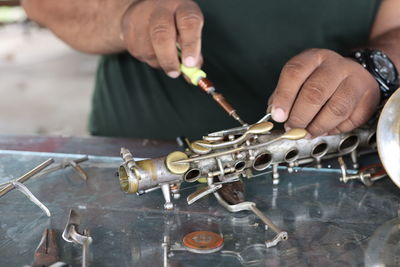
(189, 62)
(278, 114)
(287, 128)
(174, 74)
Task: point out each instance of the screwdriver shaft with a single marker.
(207, 86)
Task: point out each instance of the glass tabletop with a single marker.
(328, 222)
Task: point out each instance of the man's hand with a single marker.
(151, 29)
(325, 93)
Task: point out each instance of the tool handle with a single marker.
(193, 73)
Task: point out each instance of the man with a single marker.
(244, 45)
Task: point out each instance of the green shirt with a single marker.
(244, 45)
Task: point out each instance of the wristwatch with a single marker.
(381, 67)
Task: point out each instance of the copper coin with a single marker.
(203, 242)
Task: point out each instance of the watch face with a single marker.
(384, 67)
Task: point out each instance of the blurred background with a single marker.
(45, 86)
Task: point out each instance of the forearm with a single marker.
(92, 26)
(389, 43)
(385, 31)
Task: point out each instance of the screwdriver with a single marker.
(199, 78)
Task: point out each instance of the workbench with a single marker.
(329, 223)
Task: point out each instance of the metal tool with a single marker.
(17, 184)
(251, 206)
(47, 254)
(198, 78)
(7, 188)
(57, 167)
(202, 192)
(78, 169)
(71, 234)
(23, 189)
(67, 163)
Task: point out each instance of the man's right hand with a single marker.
(151, 29)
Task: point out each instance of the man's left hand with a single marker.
(325, 93)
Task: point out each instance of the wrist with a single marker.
(381, 67)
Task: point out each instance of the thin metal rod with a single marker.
(79, 170)
(57, 167)
(26, 176)
(60, 166)
(230, 151)
(85, 249)
(265, 219)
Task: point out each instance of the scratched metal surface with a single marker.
(329, 223)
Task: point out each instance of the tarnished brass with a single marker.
(148, 166)
(128, 173)
(294, 134)
(213, 155)
(260, 128)
(227, 155)
(177, 168)
(256, 129)
(197, 147)
(128, 185)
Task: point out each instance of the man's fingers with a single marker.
(189, 21)
(151, 30)
(363, 111)
(269, 105)
(200, 62)
(314, 93)
(293, 75)
(153, 64)
(339, 107)
(163, 36)
(143, 49)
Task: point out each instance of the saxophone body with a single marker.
(228, 155)
(223, 158)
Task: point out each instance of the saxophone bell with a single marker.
(388, 137)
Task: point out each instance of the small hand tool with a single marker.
(23, 189)
(47, 252)
(66, 163)
(17, 184)
(71, 234)
(251, 206)
(7, 188)
(198, 78)
(78, 169)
